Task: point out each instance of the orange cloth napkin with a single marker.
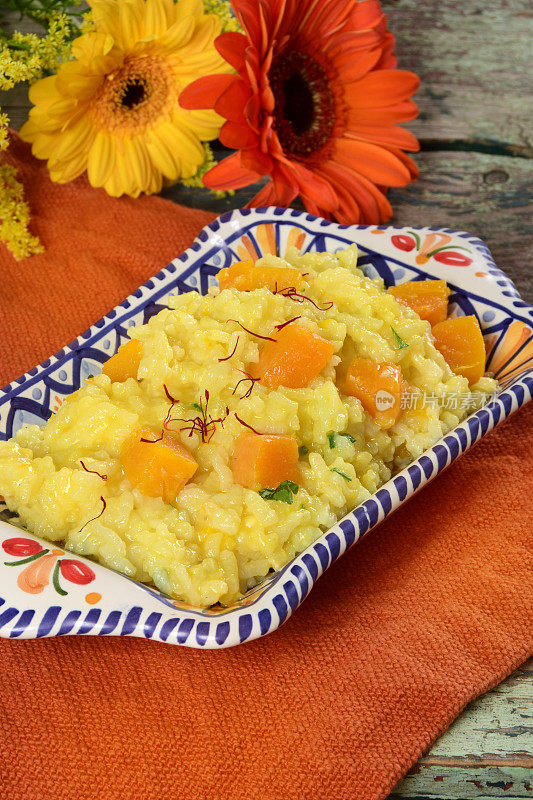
(430, 610)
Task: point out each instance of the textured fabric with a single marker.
(430, 610)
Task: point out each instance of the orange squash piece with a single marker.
(157, 468)
(125, 363)
(378, 386)
(460, 341)
(245, 277)
(264, 461)
(428, 298)
(293, 360)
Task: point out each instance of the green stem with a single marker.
(25, 560)
(55, 580)
(417, 238)
(17, 45)
(447, 247)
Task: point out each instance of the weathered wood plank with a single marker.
(486, 753)
(474, 61)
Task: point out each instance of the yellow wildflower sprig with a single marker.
(223, 10)
(15, 216)
(26, 57)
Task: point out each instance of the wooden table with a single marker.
(475, 174)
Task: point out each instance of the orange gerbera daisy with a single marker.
(315, 104)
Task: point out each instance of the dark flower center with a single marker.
(304, 114)
(134, 93)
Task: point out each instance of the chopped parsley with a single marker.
(400, 344)
(303, 450)
(283, 493)
(342, 474)
(331, 438)
(348, 436)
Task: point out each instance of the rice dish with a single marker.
(217, 538)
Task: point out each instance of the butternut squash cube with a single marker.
(296, 357)
(245, 277)
(460, 341)
(125, 363)
(378, 386)
(429, 299)
(265, 461)
(157, 467)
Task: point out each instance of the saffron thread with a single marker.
(227, 358)
(248, 426)
(104, 506)
(247, 377)
(292, 293)
(93, 471)
(203, 425)
(284, 324)
(259, 336)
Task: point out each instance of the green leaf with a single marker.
(283, 496)
(400, 344)
(284, 492)
(331, 440)
(303, 450)
(293, 487)
(342, 474)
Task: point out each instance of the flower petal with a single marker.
(101, 158)
(155, 18)
(387, 135)
(75, 139)
(232, 46)
(256, 161)
(353, 66)
(310, 185)
(374, 162)
(388, 115)
(177, 35)
(238, 136)
(372, 205)
(44, 92)
(130, 15)
(264, 197)
(232, 102)
(204, 92)
(229, 174)
(164, 159)
(383, 88)
(185, 143)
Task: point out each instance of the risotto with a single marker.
(238, 426)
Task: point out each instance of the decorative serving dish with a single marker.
(73, 595)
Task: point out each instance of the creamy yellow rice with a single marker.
(218, 538)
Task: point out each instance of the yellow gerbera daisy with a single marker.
(114, 110)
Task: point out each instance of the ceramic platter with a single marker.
(79, 597)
